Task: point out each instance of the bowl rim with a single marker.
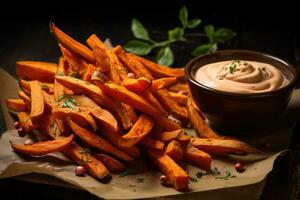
(290, 85)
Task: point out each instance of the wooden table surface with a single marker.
(27, 37)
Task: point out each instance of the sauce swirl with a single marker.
(240, 76)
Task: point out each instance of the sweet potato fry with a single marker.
(96, 141)
(180, 87)
(161, 83)
(159, 71)
(49, 127)
(95, 93)
(139, 130)
(95, 167)
(198, 158)
(138, 85)
(72, 45)
(174, 150)
(110, 60)
(183, 138)
(112, 164)
(171, 105)
(47, 87)
(43, 148)
(179, 98)
(17, 105)
(26, 99)
(89, 72)
(199, 123)
(31, 70)
(178, 178)
(26, 122)
(103, 116)
(131, 63)
(223, 147)
(114, 137)
(151, 99)
(48, 101)
(152, 144)
(37, 101)
(136, 101)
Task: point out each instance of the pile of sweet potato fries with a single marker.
(114, 103)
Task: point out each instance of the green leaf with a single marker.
(194, 23)
(176, 33)
(138, 30)
(138, 47)
(224, 34)
(183, 16)
(165, 56)
(204, 48)
(210, 30)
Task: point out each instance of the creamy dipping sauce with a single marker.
(241, 76)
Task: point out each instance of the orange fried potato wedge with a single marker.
(161, 83)
(43, 148)
(32, 70)
(37, 101)
(178, 178)
(137, 85)
(139, 130)
(71, 44)
(96, 141)
(174, 150)
(197, 157)
(150, 143)
(17, 105)
(112, 164)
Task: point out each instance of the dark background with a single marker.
(268, 27)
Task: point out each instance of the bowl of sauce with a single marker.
(241, 91)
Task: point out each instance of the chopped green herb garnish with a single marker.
(59, 98)
(140, 180)
(69, 103)
(201, 173)
(226, 176)
(126, 173)
(193, 179)
(75, 75)
(232, 66)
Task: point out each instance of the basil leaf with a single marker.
(165, 56)
(204, 48)
(175, 33)
(224, 34)
(210, 30)
(138, 30)
(194, 23)
(183, 16)
(138, 47)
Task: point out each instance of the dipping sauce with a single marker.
(241, 76)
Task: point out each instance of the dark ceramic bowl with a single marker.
(235, 112)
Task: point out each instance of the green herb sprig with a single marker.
(142, 44)
(226, 176)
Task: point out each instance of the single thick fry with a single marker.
(132, 64)
(32, 70)
(159, 71)
(162, 83)
(88, 73)
(180, 87)
(49, 127)
(25, 121)
(112, 164)
(137, 85)
(134, 100)
(150, 143)
(37, 101)
(95, 167)
(199, 123)
(96, 141)
(17, 105)
(179, 98)
(139, 130)
(70, 44)
(198, 158)
(147, 94)
(177, 177)
(47, 87)
(222, 146)
(114, 137)
(174, 150)
(43, 148)
(48, 101)
(26, 99)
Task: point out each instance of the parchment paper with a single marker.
(247, 185)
